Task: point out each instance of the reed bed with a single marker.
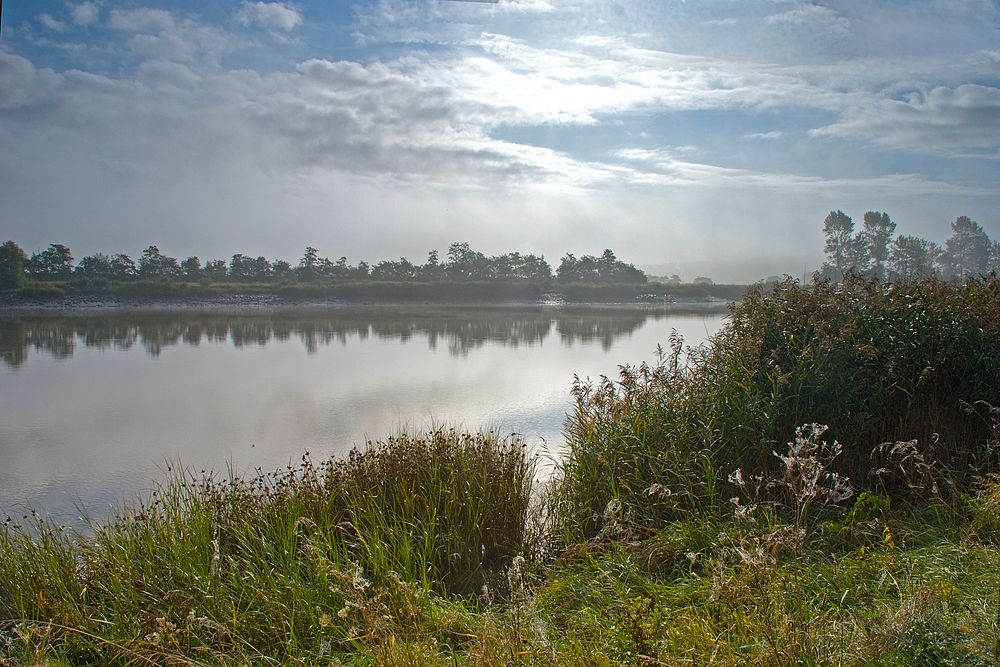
(276, 565)
(903, 363)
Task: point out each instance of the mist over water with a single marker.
(97, 406)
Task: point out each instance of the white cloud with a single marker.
(423, 141)
(528, 5)
(140, 20)
(85, 13)
(184, 41)
(814, 17)
(271, 15)
(664, 167)
(51, 23)
(966, 116)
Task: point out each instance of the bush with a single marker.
(876, 363)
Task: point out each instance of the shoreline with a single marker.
(264, 304)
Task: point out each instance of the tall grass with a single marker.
(876, 363)
(282, 564)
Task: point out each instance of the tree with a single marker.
(309, 264)
(281, 269)
(912, 258)
(464, 263)
(237, 267)
(123, 267)
(12, 261)
(535, 268)
(604, 269)
(876, 236)
(568, 269)
(95, 266)
(152, 264)
(967, 251)
(389, 270)
(340, 268)
(432, 269)
(216, 269)
(54, 262)
(838, 228)
(191, 268)
(995, 257)
(606, 265)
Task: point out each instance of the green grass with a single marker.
(436, 549)
(277, 564)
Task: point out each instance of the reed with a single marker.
(279, 564)
(874, 363)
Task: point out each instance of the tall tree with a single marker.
(838, 228)
(56, 261)
(191, 268)
(153, 264)
(912, 258)
(216, 269)
(877, 234)
(967, 251)
(995, 257)
(281, 269)
(123, 266)
(12, 261)
(97, 265)
(309, 264)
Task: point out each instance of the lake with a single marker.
(96, 403)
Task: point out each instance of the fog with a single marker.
(695, 138)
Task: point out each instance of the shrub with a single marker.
(876, 363)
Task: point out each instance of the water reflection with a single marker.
(458, 331)
(94, 404)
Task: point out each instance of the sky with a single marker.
(697, 137)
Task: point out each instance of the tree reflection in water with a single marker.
(460, 330)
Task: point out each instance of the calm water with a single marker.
(94, 405)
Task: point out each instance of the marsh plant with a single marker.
(337, 554)
(806, 483)
(875, 363)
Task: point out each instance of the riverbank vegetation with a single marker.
(465, 276)
(817, 485)
(462, 265)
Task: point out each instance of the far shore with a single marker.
(235, 297)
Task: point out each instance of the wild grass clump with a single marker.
(903, 363)
(311, 560)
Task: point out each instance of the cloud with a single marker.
(85, 13)
(527, 5)
(815, 18)
(51, 23)
(396, 149)
(664, 167)
(729, 21)
(140, 20)
(962, 117)
(271, 15)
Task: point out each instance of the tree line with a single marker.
(872, 251)
(461, 264)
